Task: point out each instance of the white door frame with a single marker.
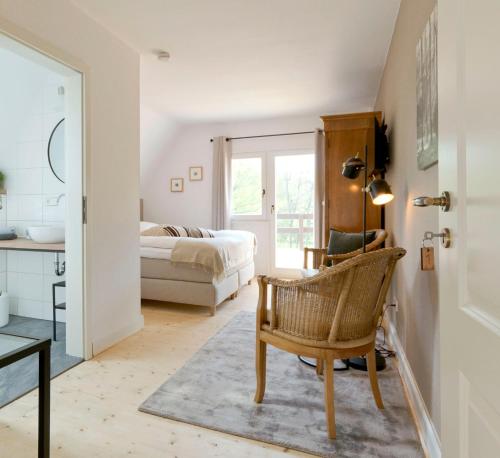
(271, 186)
(30, 40)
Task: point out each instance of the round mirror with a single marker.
(56, 151)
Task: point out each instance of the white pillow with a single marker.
(146, 225)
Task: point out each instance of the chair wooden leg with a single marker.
(260, 369)
(372, 372)
(319, 366)
(329, 399)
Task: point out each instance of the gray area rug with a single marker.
(21, 377)
(215, 390)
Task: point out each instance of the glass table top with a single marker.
(10, 343)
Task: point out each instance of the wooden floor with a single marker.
(94, 405)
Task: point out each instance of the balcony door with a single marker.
(291, 210)
(273, 197)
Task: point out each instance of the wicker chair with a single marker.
(320, 256)
(332, 315)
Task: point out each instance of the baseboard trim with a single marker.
(99, 345)
(426, 430)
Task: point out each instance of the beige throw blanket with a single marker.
(217, 255)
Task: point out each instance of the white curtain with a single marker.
(319, 188)
(221, 191)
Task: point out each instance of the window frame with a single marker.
(265, 197)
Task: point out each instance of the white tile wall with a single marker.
(30, 184)
(28, 279)
(31, 128)
(29, 308)
(30, 155)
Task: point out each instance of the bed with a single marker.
(197, 271)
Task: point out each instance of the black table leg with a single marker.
(54, 311)
(44, 403)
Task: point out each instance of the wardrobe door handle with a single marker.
(272, 209)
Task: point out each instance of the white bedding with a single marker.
(162, 242)
(155, 253)
(248, 238)
(219, 255)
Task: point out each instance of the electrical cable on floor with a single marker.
(383, 349)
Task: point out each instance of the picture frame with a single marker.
(196, 173)
(176, 184)
(427, 96)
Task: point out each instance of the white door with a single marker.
(291, 209)
(469, 271)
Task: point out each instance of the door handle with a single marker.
(443, 201)
(272, 209)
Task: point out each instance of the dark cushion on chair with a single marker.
(345, 242)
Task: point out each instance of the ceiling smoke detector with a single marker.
(163, 55)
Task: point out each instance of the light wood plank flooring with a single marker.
(94, 405)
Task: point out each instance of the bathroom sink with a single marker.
(46, 234)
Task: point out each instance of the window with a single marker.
(247, 186)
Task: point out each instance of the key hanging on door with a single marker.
(427, 254)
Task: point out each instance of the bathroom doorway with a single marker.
(42, 209)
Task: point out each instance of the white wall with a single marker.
(157, 132)
(112, 164)
(31, 107)
(189, 145)
(416, 291)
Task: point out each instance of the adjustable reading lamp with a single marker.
(381, 194)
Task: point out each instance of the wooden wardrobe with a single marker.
(346, 135)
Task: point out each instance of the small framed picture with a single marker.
(196, 173)
(176, 184)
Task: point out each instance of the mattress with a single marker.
(162, 268)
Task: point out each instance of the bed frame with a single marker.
(194, 293)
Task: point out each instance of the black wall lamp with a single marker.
(379, 190)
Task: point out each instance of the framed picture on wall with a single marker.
(196, 173)
(176, 184)
(427, 96)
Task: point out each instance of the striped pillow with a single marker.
(179, 231)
